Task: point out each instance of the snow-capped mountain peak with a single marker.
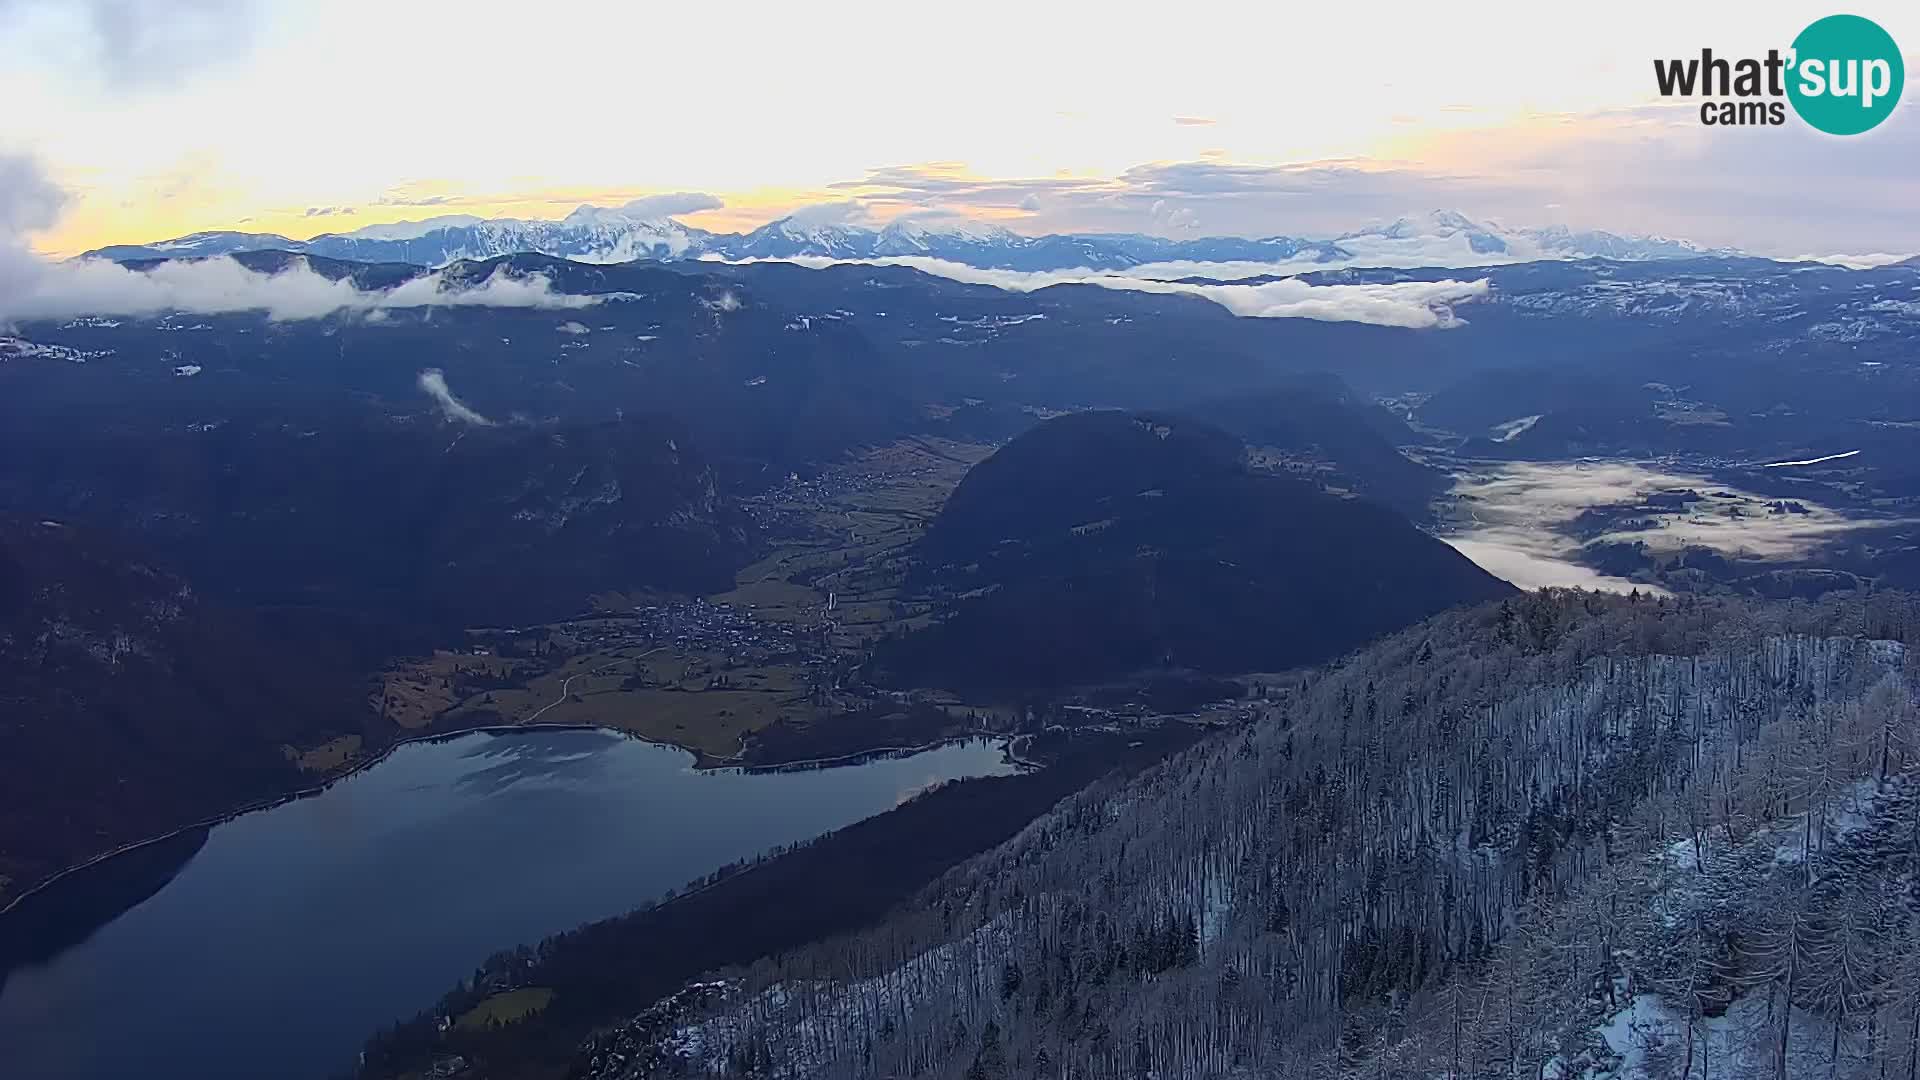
(816, 232)
(638, 230)
(410, 230)
(963, 228)
(1432, 223)
(1449, 236)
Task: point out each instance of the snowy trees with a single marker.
(1462, 849)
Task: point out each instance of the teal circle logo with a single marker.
(1846, 74)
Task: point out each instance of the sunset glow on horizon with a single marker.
(280, 117)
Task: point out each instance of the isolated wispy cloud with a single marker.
(401, 197)
(840, 212)
(671, 203)
(1412, 304)
(434, 382)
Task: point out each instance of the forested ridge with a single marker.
(1100, 543)
(120, 680)
(1565, 834)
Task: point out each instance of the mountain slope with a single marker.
(128, 703)
(1488, 845)
(413, 526)
(1321, 430)
(1100, 543)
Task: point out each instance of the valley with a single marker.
(591, 541)
(707, 674)
(758, 521)
(1677, 525)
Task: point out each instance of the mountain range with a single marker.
(610, 235)
(377, 483)
(1477, 845)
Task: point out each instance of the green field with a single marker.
(505, 1008)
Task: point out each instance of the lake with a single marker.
(275, 942)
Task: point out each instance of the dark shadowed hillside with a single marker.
(1316, 427)
(410, 522)
(1101, 543)
(129, 705)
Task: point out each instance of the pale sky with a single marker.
(160, 117)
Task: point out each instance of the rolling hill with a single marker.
(1105, 542)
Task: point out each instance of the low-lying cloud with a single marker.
(434, 382)
(1412, 304)
(1518, 561)
(1524, 516)
(222, 285)
(33, 287)
(1866, 261)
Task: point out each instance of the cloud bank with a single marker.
(1653, 165)
(1866, 261)
(434, 382)
(223, 286)
(1411, 304)
(32, 287)
(1524, 517)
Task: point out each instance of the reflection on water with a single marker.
(503, 763)
(293, 933)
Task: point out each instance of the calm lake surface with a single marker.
(295, 932)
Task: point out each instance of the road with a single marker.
(566, 685)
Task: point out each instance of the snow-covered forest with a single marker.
(1562, 835)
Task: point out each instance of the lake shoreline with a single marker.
(701, 761)
(283, 799)
(404, 877)
(832, 884)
